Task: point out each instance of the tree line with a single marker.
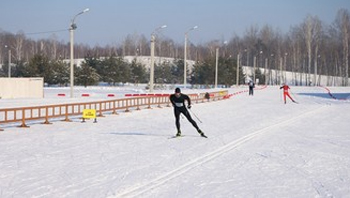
(115, 70)
(312, 47)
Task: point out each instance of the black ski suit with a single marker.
(251, 88)
(179, 107)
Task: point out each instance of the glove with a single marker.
(189, 106)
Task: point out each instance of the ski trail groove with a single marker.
(142, 188)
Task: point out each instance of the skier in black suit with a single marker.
(178, 101)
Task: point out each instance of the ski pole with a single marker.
(196, 116)
(281, 94)
(293, 95)
(281, 98)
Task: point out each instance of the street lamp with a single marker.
(237, 70)
(315, 71)
(153, 38)
(246, 50)
(285, 67)
(216, 68)
(72, 27)
(256, 64)
(217, 65)
(265, 71)
(272, 66)
(185, 56)
(9, 67)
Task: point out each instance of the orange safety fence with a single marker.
(23, 115)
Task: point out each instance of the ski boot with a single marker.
(178, 134)
(201, 133)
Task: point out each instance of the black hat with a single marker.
(177, 90)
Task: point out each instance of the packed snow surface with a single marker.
(257, 146)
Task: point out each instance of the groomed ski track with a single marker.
(257, 146)
(138, 190)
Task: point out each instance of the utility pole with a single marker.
(9, 75)
(237, 74)
(185, 55)
(72, 27)
(216, 68)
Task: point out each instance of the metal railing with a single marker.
(24, 115)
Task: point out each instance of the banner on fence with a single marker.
(89, 113)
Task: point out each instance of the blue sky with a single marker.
(110, 21)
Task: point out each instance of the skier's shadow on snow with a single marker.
(144, 134)
(327, 96)
(136, 134)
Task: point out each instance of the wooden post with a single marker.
(24, 119)
(47, 116)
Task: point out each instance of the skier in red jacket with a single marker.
(285, 88)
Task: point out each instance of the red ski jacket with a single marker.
(285, 88)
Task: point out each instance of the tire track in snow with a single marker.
(138, 190)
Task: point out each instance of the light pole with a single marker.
(265, 71)
(315, 71)
(237, 74)
(285, 67)
(271, 66)
(261, 58)
(72, 27)
(246, 50)
(185, 55)
(9, 67)
(153, 38)
(256, 64)
(216, 67)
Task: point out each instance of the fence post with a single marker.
(168, 102)
(47, 116)
(67, 119)
(24, 119)
(159, 101)
(114, 107)
(138, 103)
(100, 110)
(149, 102)
(127, 106)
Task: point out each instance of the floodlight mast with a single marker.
(73, 26)
(153, 38)
(185, 55)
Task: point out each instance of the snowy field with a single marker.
(257, 147)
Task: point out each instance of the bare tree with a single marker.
(268, 37)
(143, 45)
(18, 45)
(306, 49)
(297, 45)
(308, 32)
(317, 42)
(334, 53)
(251, 39)
(343, 24)
(53, 47)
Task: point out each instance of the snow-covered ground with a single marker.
(257, 147)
